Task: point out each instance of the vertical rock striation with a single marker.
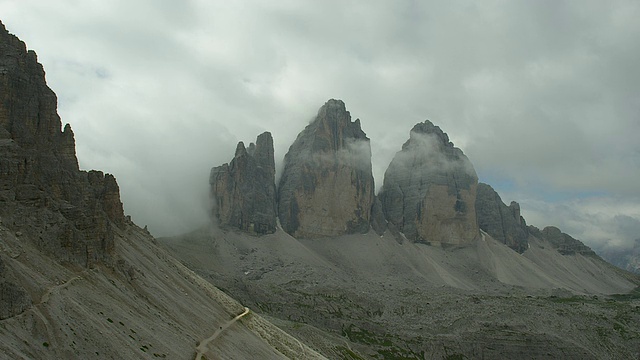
(327, 187)
(43, 193)
(429, 189)
(502, 222)
(244, 191)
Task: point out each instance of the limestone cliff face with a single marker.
(244, 191)
(327, 187)
(429, 189)
(43, 194)
(502, 222)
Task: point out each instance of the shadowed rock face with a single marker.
(502, 222)
(244, 190)
(429, 189)
(43, 194)
(327, 187)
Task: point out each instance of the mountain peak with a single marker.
(243, 190)
(429, 189)
(40, 168)
(326, 188)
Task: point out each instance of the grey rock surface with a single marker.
(378, 222)
(502, 222)
(327, 186)
(429, 189)
(75, 209)
(564, 243)
(244, 190)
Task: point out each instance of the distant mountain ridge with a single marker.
(430, 192)
(627, 259)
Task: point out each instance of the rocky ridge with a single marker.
(69, 214)
(244, 191)
(564, 243)
(40, 174)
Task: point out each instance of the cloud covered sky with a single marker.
(542, 96)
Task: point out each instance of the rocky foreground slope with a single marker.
(79, 280)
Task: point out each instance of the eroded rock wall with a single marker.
(327, 186)
(502, 222)
(244, 191)
(429, 189)
(43, 194)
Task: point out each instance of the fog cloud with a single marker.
(540, 95)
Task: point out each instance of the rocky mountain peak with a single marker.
(243, 190)
(40, 169)
(427, 127)
(429, 189)
(326, 188)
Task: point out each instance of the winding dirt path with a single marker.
(47, 294)
(202, 348)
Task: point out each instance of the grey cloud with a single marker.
(541, 94)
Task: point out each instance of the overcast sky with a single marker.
(542, 96)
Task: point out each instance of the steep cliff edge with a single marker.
(244, 190)
(502, 222)
(70, 213)
(327, 186)
(429, 189)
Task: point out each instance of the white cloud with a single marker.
(539, 94)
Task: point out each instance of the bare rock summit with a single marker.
(429, 189)
(244, 190)
(327, 186)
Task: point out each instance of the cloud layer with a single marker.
(540, 95)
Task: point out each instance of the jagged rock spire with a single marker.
(327, 187)
(502, 222)
(244, 191)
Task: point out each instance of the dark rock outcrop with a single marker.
(43, 194)
(502, 222)
(429, 189)
(378, 222)
(14, 299)
(244, 191)
(327, 187)
(564, 243)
